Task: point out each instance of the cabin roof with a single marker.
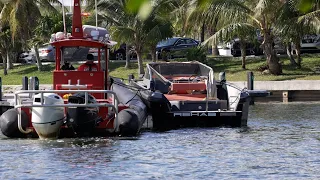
(78, 42)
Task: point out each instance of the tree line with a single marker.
(142, 23)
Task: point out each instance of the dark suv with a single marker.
(175, 47)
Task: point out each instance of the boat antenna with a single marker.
(96, 7)
(70, 6)
(77, 31)
(64, 20)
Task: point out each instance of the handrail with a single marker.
(18, 104)
(161, 78)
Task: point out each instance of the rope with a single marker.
(236, 87)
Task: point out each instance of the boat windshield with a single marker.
(73, 54)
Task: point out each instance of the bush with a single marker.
(198, 53)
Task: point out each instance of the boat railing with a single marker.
(19, 105)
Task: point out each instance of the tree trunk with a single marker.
(289, 53)
(4, 63)
(153, 53)
(9, 61)
(298, 52)
(140, 63)
(127, 56)
(272, 59)
(39, 64)
(213, 30)
(202, 32)
(243, 53)
(215, 51)
(3, 11)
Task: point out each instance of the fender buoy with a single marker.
(9, 123)
(129, 124)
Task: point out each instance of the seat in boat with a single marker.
(187, 88)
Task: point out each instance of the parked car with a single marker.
(46, 53)
(26, 58)
(310, 43)
(251, 48)
(175, 47)
(120, 53)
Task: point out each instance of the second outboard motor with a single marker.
(47, 120)
(82, 120)
(159, 107)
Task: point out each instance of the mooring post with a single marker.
(36, 83)
(130, 77)
(31, 86)
(31, 83)
(0, 89)
(25, 83)
(222, 76)
(285, 96)
(250, 80)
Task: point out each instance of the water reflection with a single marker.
(282, 141)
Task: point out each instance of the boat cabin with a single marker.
(82, 80)
(73, 47)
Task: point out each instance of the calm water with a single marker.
(282, 142)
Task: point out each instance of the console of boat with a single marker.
(82, 103)
(186, 94)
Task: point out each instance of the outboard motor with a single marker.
(82, 120)
(47, 120)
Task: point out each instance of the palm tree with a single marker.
(261, 14)
(5, 46)
(47, 25)
(206, 21)
(293, 24)
(245, 32)
(130, 28)
(22, 16)
(158, 27)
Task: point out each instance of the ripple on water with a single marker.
(282, 142)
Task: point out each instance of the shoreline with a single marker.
(282, 91)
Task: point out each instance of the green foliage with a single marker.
(141, 7)
(198, 53)
(306, 5)
(48, 25)
(230, 65)
(234, 72)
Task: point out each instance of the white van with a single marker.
(310, 43)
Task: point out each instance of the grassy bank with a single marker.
(15, 75)
(234, 72)
(232, 67)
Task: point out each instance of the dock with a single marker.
(281, 91)
(286, 91)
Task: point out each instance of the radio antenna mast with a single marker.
(96, 7)
(64, 20)
(70, 6)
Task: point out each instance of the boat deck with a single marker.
(186, 97)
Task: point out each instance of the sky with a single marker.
(66, 2)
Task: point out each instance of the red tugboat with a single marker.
(81, 102)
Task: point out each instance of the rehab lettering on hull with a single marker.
(189, 114)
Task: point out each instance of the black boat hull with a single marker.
(168, 115)
(130, 120)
